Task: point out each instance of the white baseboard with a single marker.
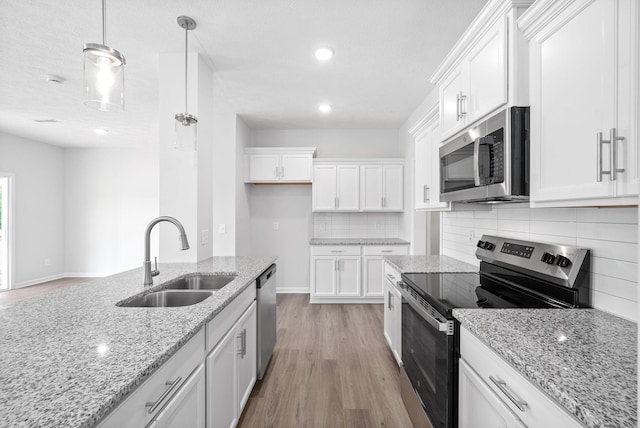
(347, 300)
(58, 276)
(86, 275)
(38, 281)
(292, 290)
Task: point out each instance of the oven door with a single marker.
(428, 355)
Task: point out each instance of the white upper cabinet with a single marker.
(358, 185)
(427, 137)
(485, 70)
(335, 188)
(584, 94)
(381, 187)
(278, 164)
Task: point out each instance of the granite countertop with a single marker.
(585, 359)
(68, 357)
(358, 241)
(426, 264)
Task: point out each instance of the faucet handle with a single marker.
(155, 272)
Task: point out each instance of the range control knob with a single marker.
(480, 244)
(548, 258)
(489, 246)
(562, 261)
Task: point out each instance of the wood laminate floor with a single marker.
(331, 367)
(11, 296)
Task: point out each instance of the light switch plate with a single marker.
(204, 237)
(222, 228)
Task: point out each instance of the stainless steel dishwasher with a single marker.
(266, 285)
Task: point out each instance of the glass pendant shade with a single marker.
(103, 78)
(186, 127)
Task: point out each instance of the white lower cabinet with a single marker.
(494, 394)
(231, 372)
(187, 407)
(480, 407)
(194, 390)
(349, 274)
(393, 312)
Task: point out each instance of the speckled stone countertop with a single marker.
(358, 241)
(70, 356)
(425, 264)
(585, 359)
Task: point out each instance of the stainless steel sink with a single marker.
(168, 299)
(200, 282)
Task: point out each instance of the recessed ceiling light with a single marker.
(324, 54)
(102, 131)
(46, 120)
(325, 108)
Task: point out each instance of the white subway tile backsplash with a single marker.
(356, 225)
(610, 233)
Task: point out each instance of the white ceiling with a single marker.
(261, 51)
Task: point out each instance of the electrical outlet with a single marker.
(204, 237)
(222, 228)
(47, 262)
(276, 225)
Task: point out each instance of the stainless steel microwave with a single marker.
(488, 163)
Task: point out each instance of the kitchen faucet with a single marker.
(148, 273)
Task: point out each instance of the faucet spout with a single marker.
(148, 273)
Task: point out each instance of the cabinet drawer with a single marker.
(539, 411)
(171, 375)
(385, 250)
(222, 323)
(335, 250)
(391, 274)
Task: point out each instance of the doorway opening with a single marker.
(5, 232)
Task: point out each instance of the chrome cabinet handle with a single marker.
(614, 138)
(382, 202)
(386, 251)
(502, 386)
(244, 343)
(426, 194)
(601, 170)
(391, 278)
(389, 300)
(275, 172)
(336, 251)
(281, 172)
(239, 351)
(457, 107)
(462, 99)
(172, 385)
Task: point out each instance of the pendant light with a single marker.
(186, 124)
(103, 73)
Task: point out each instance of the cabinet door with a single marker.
(487, 73)
(388, 316)
(264, 167)
(323, 189)
(573, 66)
(296, 168)
(421, 170)
(371, 187)
(479, 406)
(393, 187)
(348, 187)
(187, 407)
(247, 357)
(222, 383)
(323, 275)
(396, 325)
(450, 108)
(348, 275)
(373, 277)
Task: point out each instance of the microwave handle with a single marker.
(476, 161)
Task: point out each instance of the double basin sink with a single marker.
(181, 292)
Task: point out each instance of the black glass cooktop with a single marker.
(447, 291)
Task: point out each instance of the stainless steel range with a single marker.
(513, 274)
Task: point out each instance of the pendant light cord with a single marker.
(104, 22)
(186, 37)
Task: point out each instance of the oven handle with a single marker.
(476, 161)
(445, 327)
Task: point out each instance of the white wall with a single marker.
(39, 207)
(333, 143)
(290, 205)
(110, 196)
(610, 233)
(243, 214)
